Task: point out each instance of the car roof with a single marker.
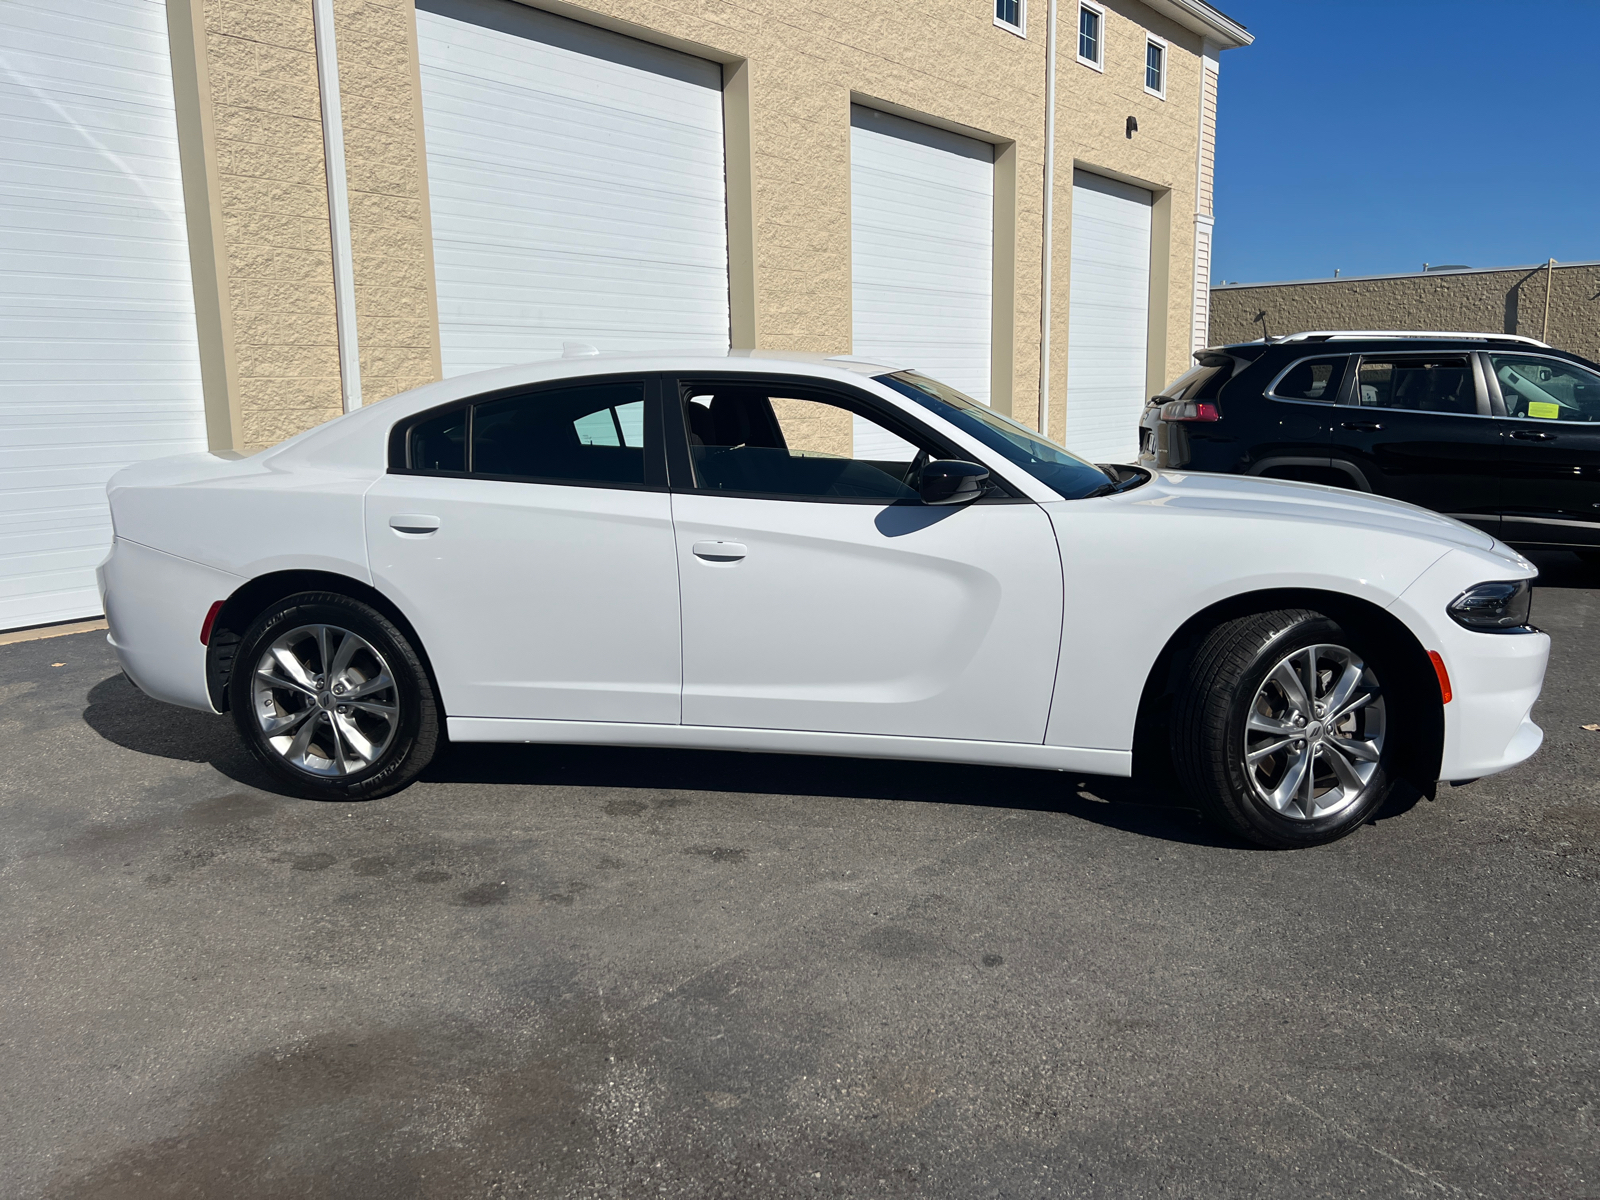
(1382, 336)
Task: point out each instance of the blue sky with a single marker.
(1374, 137)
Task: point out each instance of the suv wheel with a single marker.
(332, 699)
(1280, 728)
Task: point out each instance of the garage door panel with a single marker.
(99, 365)
(921, 230)
(576, 184)
(1109, 317)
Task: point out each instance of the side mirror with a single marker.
(951, 481)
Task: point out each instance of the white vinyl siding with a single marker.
(99, 364)
(921, 249)
(575, 178)
(1108, 325)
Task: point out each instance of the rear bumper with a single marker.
(155, 604)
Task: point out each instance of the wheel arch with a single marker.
(249, 600)
(1151, 756)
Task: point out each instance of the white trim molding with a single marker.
(1098, 64)
(1160, 43)
(1021, 26)
(1201, 18)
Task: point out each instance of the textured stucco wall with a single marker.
(1508, 301)
(944, 59)
(274, 200)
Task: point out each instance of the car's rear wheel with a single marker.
(333, 699)
(1281, 730)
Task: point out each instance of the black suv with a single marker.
(1501, 432)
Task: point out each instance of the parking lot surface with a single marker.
(598, 972)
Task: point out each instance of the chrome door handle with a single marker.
(1533, 435)
(1364, 426)
(722, 552)
(415, 524)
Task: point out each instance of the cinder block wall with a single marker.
(1484, 301)
(943, 60)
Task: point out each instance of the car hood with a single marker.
(1313, 503)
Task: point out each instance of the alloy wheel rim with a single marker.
(1315, 733)
(325, 700)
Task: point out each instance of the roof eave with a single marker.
(1201, 18)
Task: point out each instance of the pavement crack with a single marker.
(1349, 1135)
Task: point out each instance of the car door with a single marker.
(528, 537)
(1418, 427)
(820, 593)
(1549, 466)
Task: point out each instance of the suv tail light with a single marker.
(1190, 410)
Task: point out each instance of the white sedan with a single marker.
(789, 553)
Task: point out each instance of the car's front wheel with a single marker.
(1281, 729)
(333, 699)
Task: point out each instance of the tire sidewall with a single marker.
(391, 770)
(1274, 828)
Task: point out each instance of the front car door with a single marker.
(528, 537)
(1418, 426)
(1549, 465)
(819, 593)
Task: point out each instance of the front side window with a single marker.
(759, 440)
(1314, 379)
(1057, 468)
(1546, 389)
(589, 434)
(1155, 68)
(1009, 14)
(1441, 384)
(1089, 25)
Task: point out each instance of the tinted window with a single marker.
(1547, 388)
(754, 440)
(588, 434)
(439, 443)
(1442, 385)
(1316, 379)
(1057, 468)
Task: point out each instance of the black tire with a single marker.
(412, 732)
(1227, 680)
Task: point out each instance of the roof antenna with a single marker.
(578, 349)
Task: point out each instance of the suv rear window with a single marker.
(1198, 383)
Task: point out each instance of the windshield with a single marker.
(1058, 469)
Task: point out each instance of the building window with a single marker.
(1155, 66)
(1011, 15)
(1091, 35)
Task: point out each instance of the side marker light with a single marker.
(1445, 693)
(211, 619)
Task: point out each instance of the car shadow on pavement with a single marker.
(123, 715)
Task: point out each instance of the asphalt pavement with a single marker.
(599, 972)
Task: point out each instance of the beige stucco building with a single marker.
(1558, 303)
(251, 215)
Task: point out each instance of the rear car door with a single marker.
(819, 592)
(1549, 466)
(1418, 426)
(528, 537)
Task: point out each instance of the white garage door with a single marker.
(1108, 324)
(98, 361)
(921, 249)
(576, 183)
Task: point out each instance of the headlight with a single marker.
(1494, 607)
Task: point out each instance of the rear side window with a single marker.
(591, 434)
(1441, 384)
(1314, 379)
(588, 434)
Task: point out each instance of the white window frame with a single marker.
(1021, 27)
(1101, 43)
(1151, 39)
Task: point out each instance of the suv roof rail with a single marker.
(1348, 335)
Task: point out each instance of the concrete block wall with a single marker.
(1509, 300)
(939, 60)
(274, 201)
